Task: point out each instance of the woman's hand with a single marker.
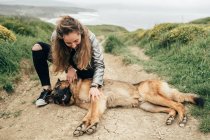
(94, 93)
(71, 75)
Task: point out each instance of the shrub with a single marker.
(6, 35)
(159, 30)
(183, 34)
(20, 28)
(26, 26)
(8, 87)
(113, 44)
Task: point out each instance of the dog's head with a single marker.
(61, 93)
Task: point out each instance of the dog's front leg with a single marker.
(80, 130)
(91, 119)
(97, 108)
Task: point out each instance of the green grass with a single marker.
(106, 29)
(27, 31)
(201, 21)
(184, 65)
(113, 45)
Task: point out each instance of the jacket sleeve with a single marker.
(98, 60)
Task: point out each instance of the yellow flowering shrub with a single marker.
(159, 30)
(6, 35)
(207, 27)
(184, 34)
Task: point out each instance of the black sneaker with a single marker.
(43, 98)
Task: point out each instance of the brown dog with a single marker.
(149, 95)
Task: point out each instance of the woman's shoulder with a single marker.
(91, 35)
(53, 36)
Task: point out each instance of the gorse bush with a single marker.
(113, 44)
(6, 35)
(157, 32)
(183, 34)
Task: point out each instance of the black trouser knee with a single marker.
(40, 58)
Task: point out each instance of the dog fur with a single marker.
(150, 95)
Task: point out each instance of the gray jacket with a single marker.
(97, 59)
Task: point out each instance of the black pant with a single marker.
(40, 59)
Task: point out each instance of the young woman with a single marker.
(75, 50)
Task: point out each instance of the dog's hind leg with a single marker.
(156, 109)
(163, 101)
(97, 108)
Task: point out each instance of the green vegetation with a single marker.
(6, 35)
(201, 21)
(106, 29)
(113, 45)
(180, 54)
(18, 35)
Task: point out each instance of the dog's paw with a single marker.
(79, 131)
(92, 128)
(170, 120)
(183, 122)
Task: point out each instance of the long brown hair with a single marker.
(61, 53)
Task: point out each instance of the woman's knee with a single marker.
(36, 47)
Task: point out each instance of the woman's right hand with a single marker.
(71, 75)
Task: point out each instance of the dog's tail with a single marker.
(178, 96)
(193, 98)
(199, 101)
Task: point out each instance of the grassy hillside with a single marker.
(201, 21)
(26, 31)
(107, 29)
(180, 54)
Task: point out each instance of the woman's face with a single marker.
(72, 40)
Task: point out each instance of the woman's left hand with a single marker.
(94, 93)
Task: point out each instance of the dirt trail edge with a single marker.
(21, 120)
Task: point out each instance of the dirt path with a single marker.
(23, 121)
